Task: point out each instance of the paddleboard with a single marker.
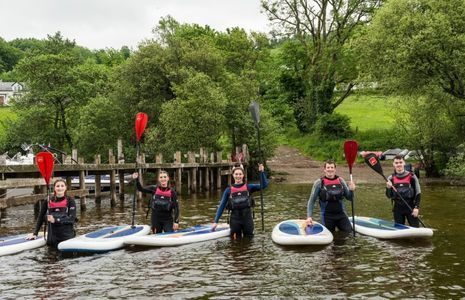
(383, 229)
(18, 243)
(296, 232)
(103, 240)
(195, 234)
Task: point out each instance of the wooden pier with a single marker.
(195, 171)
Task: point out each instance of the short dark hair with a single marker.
(329, 162)
(399, 157)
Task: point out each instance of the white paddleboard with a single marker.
(103, 240)
(18, 243)
(195, 234)
(383, 229)
(296, 232)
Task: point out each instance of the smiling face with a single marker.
(330, 170)
(163, 178)
(238, 175)
(399, 165)
(59, 188)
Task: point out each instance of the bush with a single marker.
(333, 125)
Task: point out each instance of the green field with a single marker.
(368, 111)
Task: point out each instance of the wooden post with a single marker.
(159, 158)
(74, 155)
(121, 185)
(177, 157)
(98, 181)
(178, 179)
(120, 151)
(230, 176)
(82, 186)
(219, 157)
(218, 178)
(111, 160)
(207, 178)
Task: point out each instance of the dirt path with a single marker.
(292, 167)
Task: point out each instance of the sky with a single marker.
(98, 24)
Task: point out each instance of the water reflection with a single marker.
(360, 267)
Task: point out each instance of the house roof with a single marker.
(7, 86)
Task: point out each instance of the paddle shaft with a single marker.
(353, 206)
(261, 181)
(403, 200)
(135, 189)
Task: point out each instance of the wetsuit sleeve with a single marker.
(41, 217)
(222, 205)
(348, 194)
(71, 217)
(390, 192)
(416, 185)
(175, 208)
(145, 189)
(313, 196)
(253, 187)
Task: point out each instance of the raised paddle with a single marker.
(45, 162)
(373, 162)
(350, 153)
(141, 123)
(255, 112)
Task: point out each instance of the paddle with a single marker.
(45, 162)
(350, 153)
(255, 112)
(141, 123)
(373, 162)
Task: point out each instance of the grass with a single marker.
(371, 121)
(368, 112)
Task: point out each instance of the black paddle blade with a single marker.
(373, 162)
(255, 112)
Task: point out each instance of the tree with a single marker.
(413, 45)
(323, 28)
(59, 82)
(426, 123)
(9, 56)
(194, 119)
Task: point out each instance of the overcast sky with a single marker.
(99, 24)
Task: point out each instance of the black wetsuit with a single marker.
(241, 219)
(163, 214)
(331, 203)
(408, 186)
(65, 217)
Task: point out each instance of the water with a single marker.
(360, 267)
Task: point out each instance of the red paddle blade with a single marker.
(141, 123)
(45, 162)
(350, 152)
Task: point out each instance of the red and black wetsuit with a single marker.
(164, 206)
(408, 186)
(63, 209)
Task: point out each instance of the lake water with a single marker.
(360, 267)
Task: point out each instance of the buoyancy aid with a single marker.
(331, 189)
(403, 186)
(162, 200)
(58, 209)
(239, 198)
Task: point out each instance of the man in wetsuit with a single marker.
(403, 188)
(331, 191)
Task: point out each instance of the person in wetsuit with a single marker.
(331, 191)
(237, 198)
(59, 213)
(405, 184)
(164, 204)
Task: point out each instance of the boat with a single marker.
(296, 232)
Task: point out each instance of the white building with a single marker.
(9, 90)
